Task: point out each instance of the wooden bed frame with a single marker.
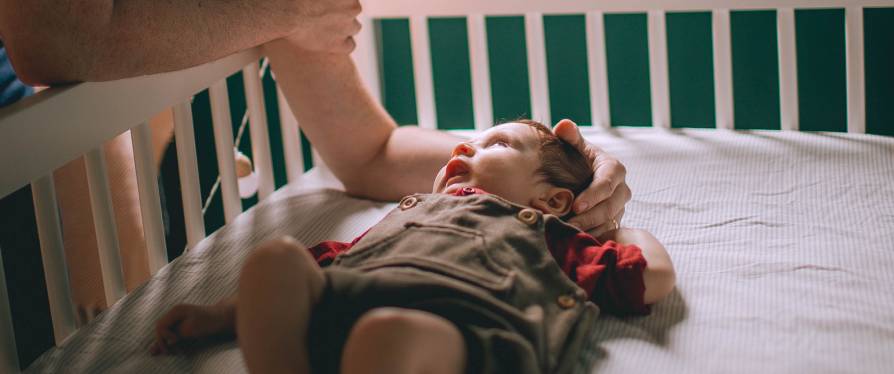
(101, 111)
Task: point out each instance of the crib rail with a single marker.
(61, 124)
(533, 12)
(89, 113)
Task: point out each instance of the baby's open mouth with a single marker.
(456, 170)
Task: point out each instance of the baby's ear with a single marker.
(555, 200)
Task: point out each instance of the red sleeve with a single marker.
(610, 273)
(325, 252)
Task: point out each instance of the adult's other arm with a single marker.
(54, 41)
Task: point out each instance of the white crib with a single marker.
(76, 120)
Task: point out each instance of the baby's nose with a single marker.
(464, 149)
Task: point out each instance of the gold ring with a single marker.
(615, 224)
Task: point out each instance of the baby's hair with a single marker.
(562, 165)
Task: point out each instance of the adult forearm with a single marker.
(357, 139)
(51, 41)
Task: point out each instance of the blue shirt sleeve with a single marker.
(11, 88)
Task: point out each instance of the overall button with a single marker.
(566, 301)
(408, 202)
(528, 216)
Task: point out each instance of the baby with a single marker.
(482, 275)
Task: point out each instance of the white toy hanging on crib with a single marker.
(247, 178)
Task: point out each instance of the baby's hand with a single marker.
(600, 207)
(187, 322)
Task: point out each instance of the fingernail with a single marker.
(582, 207)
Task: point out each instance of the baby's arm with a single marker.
(658, 277)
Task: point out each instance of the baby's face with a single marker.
(502, 160)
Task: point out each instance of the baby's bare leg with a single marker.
(279, 284)
(393, 340)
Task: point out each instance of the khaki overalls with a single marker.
(480, 262)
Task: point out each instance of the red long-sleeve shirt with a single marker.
(611, 273)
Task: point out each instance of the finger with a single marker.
(355, 27)
(167, 324)
(620, 216)
(169, 338)
(169, 319)
(355, 8)
(346, 46)
(568, 131)
(608, 167)
(612, 224)
(602, 229)
(160, 348)
(603, 212)
(591, 219)
(187, 329)
(606, 182)
(599, 190)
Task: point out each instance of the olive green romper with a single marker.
(478, 261)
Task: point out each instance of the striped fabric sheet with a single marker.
(119, 340)
(784, 248)
(782, 244)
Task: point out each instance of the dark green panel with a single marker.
(755, 69)
(690, 62)
(396, 64)
(822, 89)
(306, 152)
(206, 158)
(878, 29)
(275, 131)
(508, 59)
(237, 111)
(566, 64)
(627, 55)
(450, 72)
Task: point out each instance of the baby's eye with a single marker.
(500, 143)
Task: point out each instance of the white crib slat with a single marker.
(291, 138)
(478, 58)
(597, 70)
(788, 68)
(658, 69)
(104, 224)
(366, 59)
(188, 169)
(260, 140)
(52, 252)
(856, 89)
(539, 83)
(425, 93)
(9, 357)
(150, 203)
(723, 69)
(223, 144)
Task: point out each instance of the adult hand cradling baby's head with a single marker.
(600, 207)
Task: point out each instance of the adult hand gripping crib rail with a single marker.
(100, 111)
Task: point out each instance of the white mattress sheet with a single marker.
(782, 243)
